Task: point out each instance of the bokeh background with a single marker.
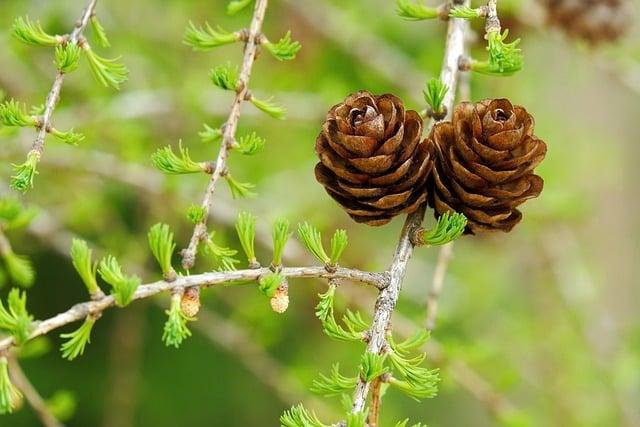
(538, 327)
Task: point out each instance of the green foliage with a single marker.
(312, 240)
(404, 424)
(415, 341)
(298, 416)
(418, 382)
(280, 236)
(14, 319)
(108, 72)
(413, 11)
(14, 114)
(449, 227)
(267, 106)
(20, 269)
(372, 366)
(37, 110)
(34, 348)
(175, 329)
(196, 214)
(206, 38)
(434, 93)
(236, 6)
(169, 163)
(239, 189)
(223, 256)
(99, 33)
(77, 340)
(250, 144)
(357, 419)
(14, 215)
(356, 326)
(124, 287)
(269, 283)
(31, 32)
(224, 76)
(333, 385)
(70, 137)
(3, 278)
(285, 50)
(162, 246)
(465, 12)
(24, 173)
(67, 57)
(505, 59)
(210, 134)
(338, 244)
(86, 268)
(246, 229)
(9, 394)
(415, 391)
(62, 405)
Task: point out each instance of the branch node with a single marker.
(437, 115)
(464, 63)
(331, 268)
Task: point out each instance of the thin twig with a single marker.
(82, 310)
(229, 132)
(126, 349)
(44, 124)
(444, 256)
(388, 297)
(376, 400)
(32, 396)
(492, 22)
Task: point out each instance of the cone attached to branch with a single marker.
(594, 21)
(484, 161)
(372, 159)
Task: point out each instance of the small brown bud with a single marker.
(280, 300)
(190, 302)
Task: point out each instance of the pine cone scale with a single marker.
(349, 146)
(375, 165)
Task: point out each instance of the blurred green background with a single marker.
(538, 327)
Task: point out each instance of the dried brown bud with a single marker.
(372, 161)
(484, 164)
(280, 300)
(190, 302)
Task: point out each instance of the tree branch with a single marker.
(31, 394)
(82, 310)
(376, 400)
(53, 97)
(444, 256)
(386, 301)
(229, 131)
(492, 22)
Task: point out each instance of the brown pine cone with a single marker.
(484, 161)
(372, 160)
(594, 21)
